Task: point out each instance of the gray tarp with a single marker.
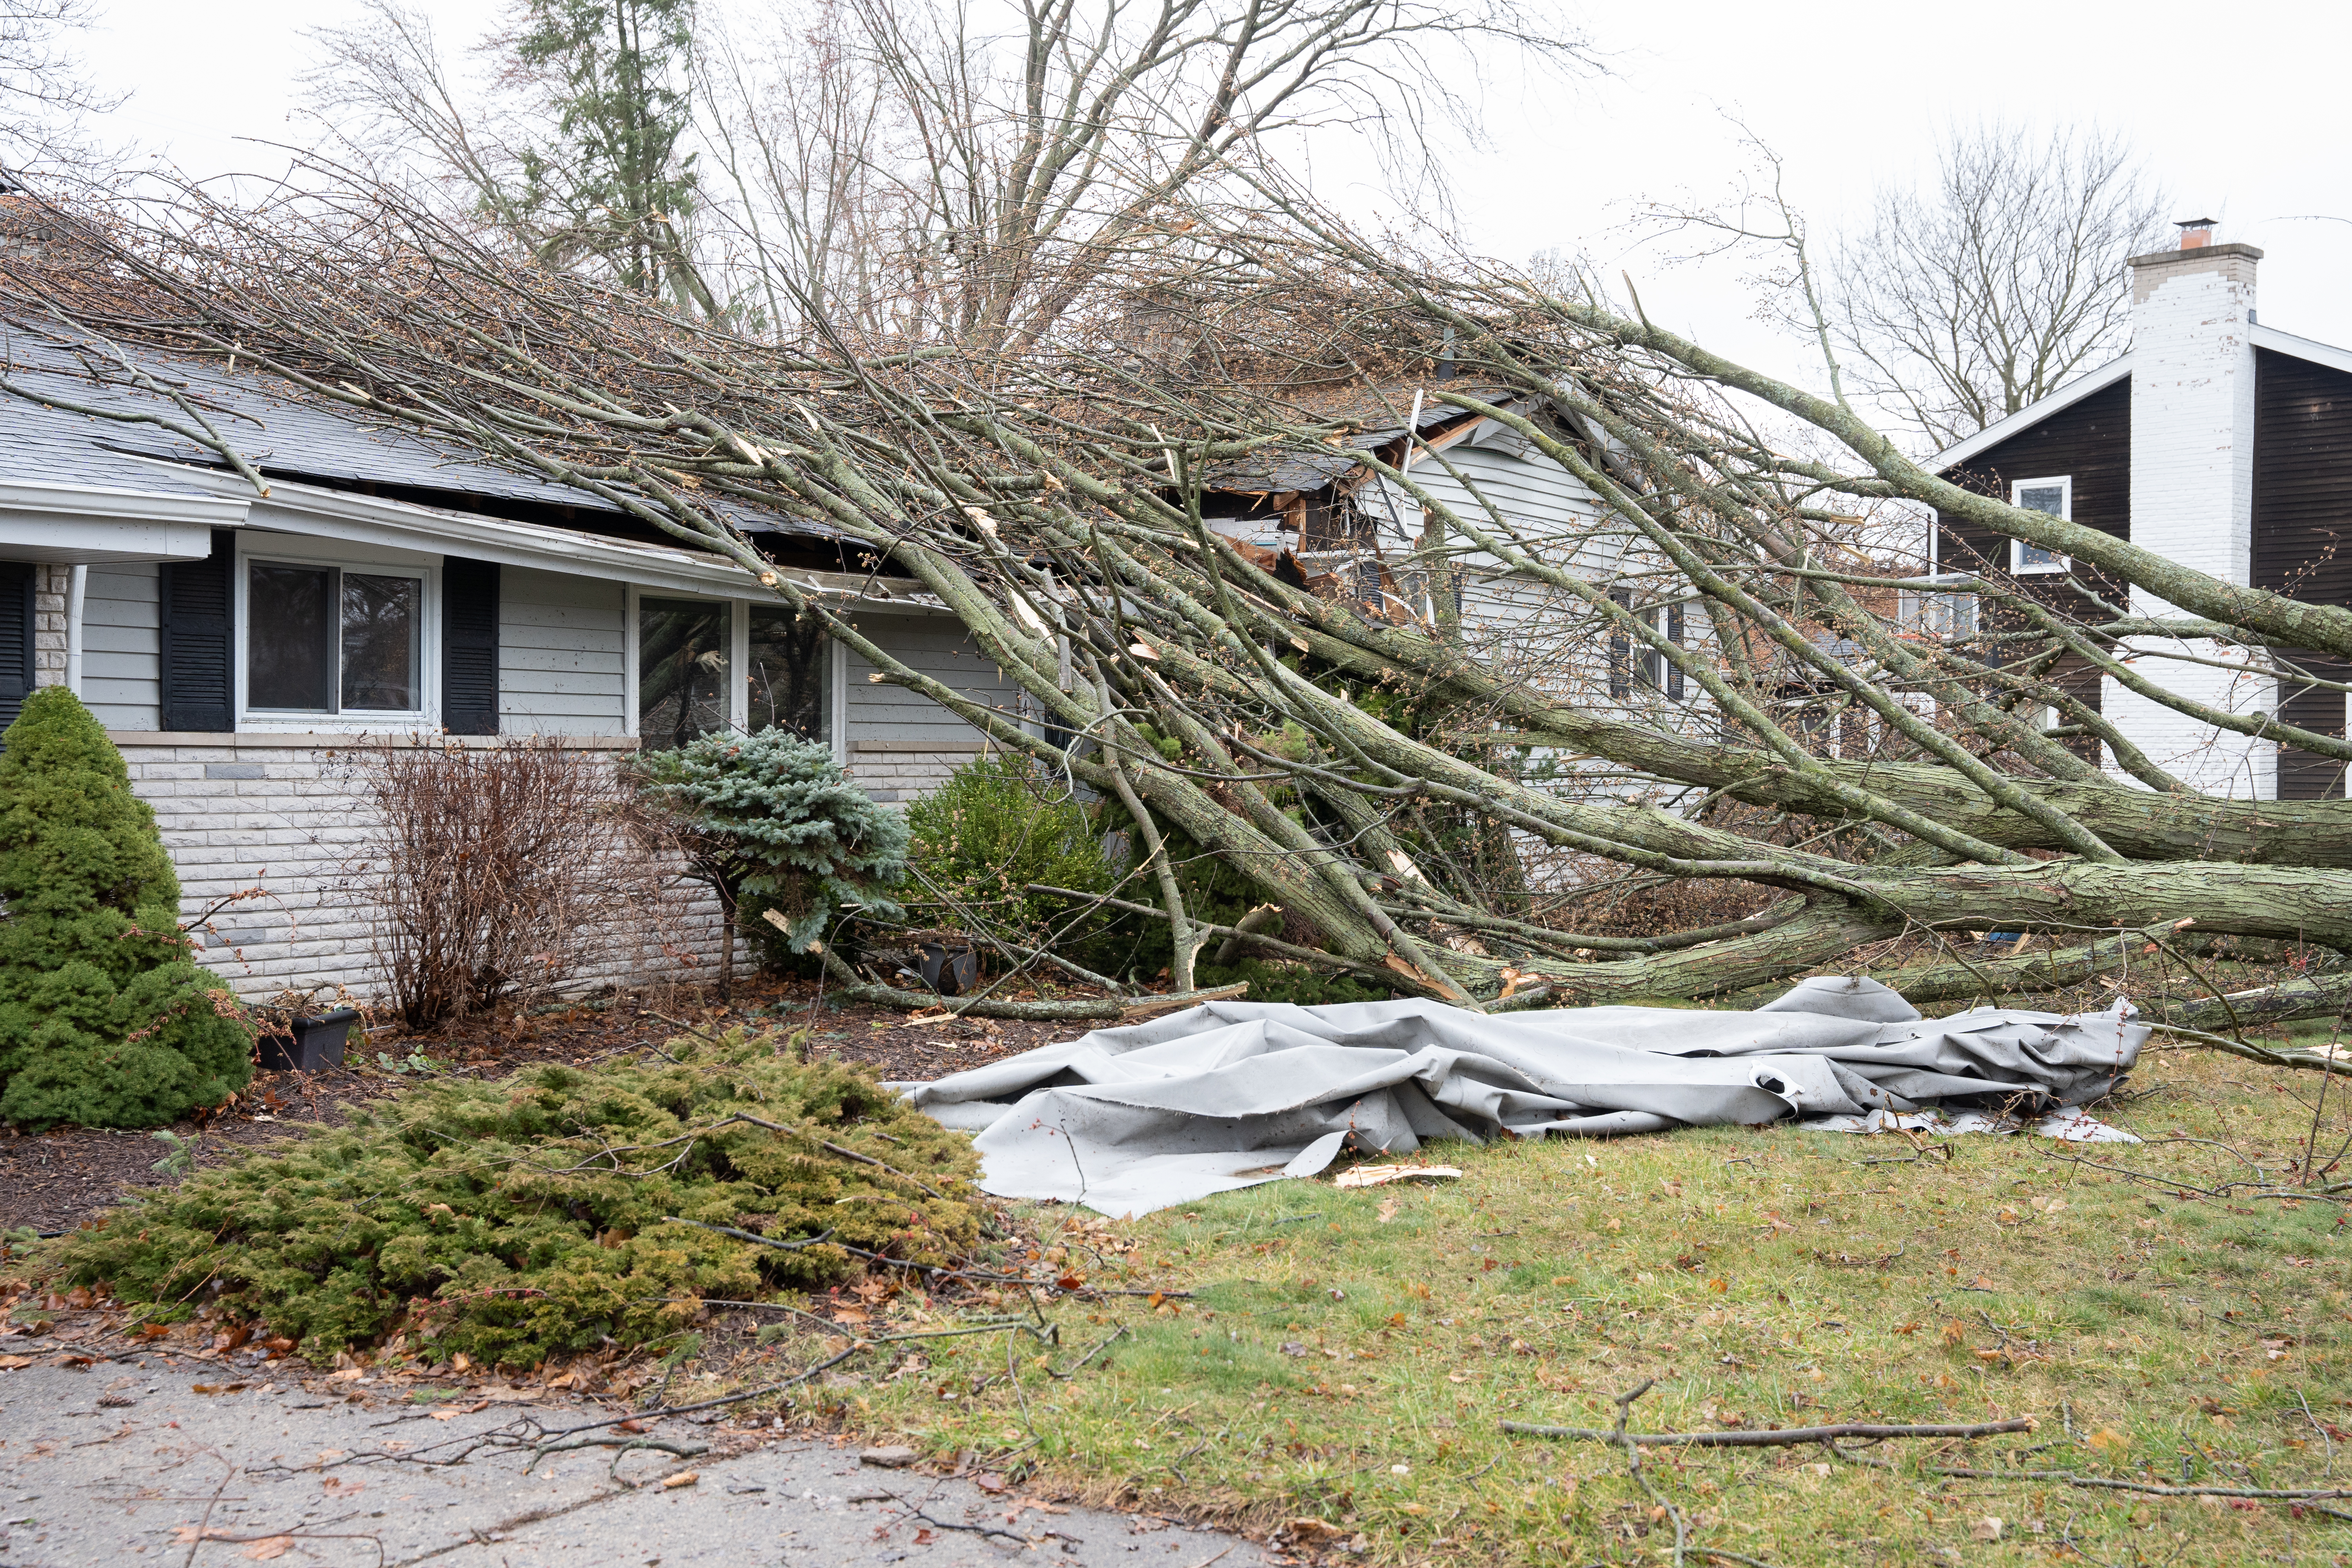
(1130, 1120)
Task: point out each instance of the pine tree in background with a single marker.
(103, 1019)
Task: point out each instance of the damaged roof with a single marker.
(273, 425)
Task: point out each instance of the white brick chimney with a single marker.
(2192, 494)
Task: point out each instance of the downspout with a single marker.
(77, 588)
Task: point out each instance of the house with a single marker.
(1347, 530)
(2221, 443)
(239, 646)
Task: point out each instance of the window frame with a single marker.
(739, 663)
(336, 555)
(2017, 547)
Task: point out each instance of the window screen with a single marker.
(289, 638)
(681, 670)
(382, 621)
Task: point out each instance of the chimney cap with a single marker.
(2194, 222)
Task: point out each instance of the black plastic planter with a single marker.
(950, 971)
(317, 1042)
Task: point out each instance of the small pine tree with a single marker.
(771, 821)
(104, 1021)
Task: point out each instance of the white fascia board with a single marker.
(2033, 413)
(2277, 341)
(404, 525)
(95, 525)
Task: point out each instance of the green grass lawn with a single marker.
(1346, 1356)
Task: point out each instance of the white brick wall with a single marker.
(284, 813)
(2192, 488)
(49, 587)
(896, 773)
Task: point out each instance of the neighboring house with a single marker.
(2220, 442)
(238, 646)
(1350, 532)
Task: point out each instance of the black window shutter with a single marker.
(1621, 648)
(470, 646)
(198, 639)
(16, 637)
(1675, 636)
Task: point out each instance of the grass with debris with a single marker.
(1345, 1357)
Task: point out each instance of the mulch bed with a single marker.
(57, 1180)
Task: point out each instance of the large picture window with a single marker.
(333, 639)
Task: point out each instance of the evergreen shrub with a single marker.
(998, 824)
(104, 1020)
(515, 1220)
(771, 821)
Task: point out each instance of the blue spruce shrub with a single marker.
(771, 822)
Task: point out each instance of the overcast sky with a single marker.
(2240, 112)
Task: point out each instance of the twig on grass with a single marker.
(1789, 1437)
(2106, 1483)
(2316, 1426)
(1633, 1461)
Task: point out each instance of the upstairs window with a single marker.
(333, 639)
(2054, 497)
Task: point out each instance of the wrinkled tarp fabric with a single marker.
(1228, 1094)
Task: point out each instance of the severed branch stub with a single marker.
(1787, 1438)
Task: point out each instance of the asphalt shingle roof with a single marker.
(273, 425)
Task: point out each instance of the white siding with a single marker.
(562, 655)
(121, 647)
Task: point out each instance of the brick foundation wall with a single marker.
(287, 814)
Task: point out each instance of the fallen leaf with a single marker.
(11, 1363)
(1069, 1282)
(1986, 1529)
(683, 1479)
(215, 1387)
(1314, 1531)
(2106, 1438)
(271, 1546)
(1388, 1210)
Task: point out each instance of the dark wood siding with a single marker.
(2303, 532)
(2090, 443)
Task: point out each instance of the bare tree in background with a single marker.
(900, 170)
(1966, 299)
(44, 90)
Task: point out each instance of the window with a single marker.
(333, 639)
(682, 687)
(1646, 664)
(789, 674)
(703, 666)
(2054, 497)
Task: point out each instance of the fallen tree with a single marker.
(1703, 674)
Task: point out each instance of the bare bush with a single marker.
(487, 868)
